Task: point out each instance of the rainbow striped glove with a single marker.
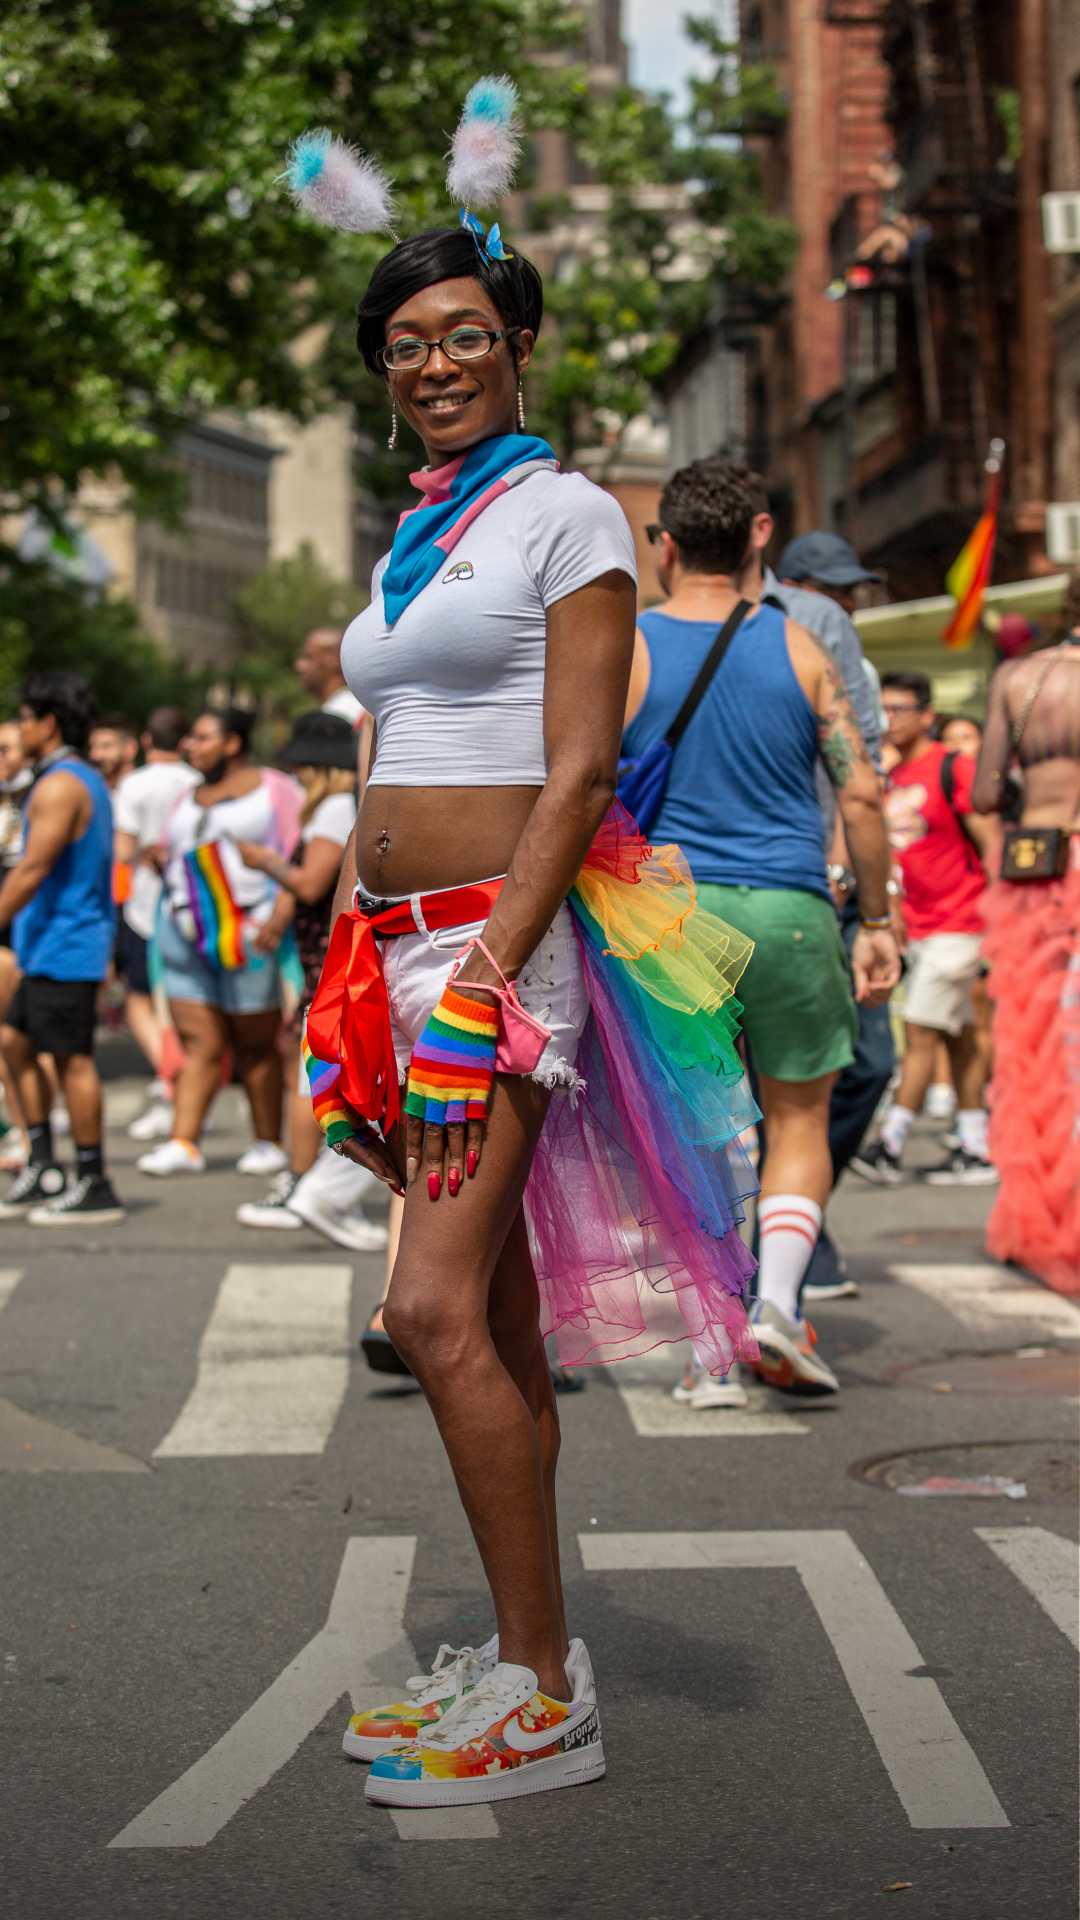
(334, 1114)
(453, 1062)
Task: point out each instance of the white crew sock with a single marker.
(895, 1128)
(788, 1228)
(972, 1124)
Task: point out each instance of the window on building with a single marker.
(873, 336)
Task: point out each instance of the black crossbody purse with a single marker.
(1034, 853)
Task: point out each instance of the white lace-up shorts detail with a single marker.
(551, 986)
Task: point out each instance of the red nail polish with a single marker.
(434, 1185)
(471, 1162)
(453, 1181)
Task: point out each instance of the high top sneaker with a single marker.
(89, 1202)
(41, 1181)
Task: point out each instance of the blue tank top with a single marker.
(741, 800)
(66, 931)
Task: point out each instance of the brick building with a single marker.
(1063, 132)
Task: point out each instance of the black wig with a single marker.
(445, 253)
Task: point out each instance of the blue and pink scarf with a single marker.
(455, 493)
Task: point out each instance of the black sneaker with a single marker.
(879, 1165)
(962, 1169)
(36, 1183)
(90, 1202)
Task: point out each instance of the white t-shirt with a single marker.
(142, 804)
(250, 816)
(457, 684)
(345, 705)
(333, 819)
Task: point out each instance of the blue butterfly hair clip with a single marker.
(488, 239)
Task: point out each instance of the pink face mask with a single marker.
(521, 1038)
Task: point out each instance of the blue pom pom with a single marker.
(493, 99)
(307, 157)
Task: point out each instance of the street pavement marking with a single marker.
(656, 1416)
(273, 1365)
(30, 1445)
(990, 1300)
(362, 1651)
(1046, 1564)
(9, 1280)
(936, 1775)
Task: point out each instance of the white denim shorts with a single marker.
(551, 986)
(941, 971)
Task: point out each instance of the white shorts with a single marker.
(551, 986)
(941, 971)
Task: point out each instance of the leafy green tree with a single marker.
(45, 621)
(274, 612)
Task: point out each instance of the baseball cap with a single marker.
(826, 557)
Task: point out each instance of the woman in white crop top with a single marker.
(496, 676)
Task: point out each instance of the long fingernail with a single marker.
(400, 1191)
(453, 1181)
(412, 1168)
(434, 1185)
(471, 1159)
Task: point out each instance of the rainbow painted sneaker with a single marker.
(501, 1739)
(378, 1730)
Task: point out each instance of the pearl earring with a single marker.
(521, 408)
(392, 441)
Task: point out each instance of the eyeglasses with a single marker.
(653, 532)
(409, 353)
(906, 706)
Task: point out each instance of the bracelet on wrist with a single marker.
(880, 925)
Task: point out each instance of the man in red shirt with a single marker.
(939, 845)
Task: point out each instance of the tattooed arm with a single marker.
(875, 961)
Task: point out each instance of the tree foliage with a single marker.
(275, 611)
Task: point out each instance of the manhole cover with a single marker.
(1050, 1372)
(1049, 1469)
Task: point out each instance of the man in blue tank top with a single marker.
(741, 802)
(59, 897)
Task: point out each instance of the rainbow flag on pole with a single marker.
(219, 929)
(969, 575)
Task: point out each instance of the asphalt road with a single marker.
(819, 1694)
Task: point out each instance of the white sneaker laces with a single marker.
(452, 1670)
(491, 1699)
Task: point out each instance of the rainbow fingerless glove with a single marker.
(453, 1062)
(334, 1115)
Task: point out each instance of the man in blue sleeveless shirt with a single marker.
(742, 804)
(59, 897)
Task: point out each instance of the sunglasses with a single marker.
(653, 532)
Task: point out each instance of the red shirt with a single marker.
(943, 875)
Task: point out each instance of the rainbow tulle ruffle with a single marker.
(638, 1188)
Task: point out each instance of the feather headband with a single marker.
(340, 187)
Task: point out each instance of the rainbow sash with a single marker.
(219, 925)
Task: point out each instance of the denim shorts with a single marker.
(254, 988)
(551, 986)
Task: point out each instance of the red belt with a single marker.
(349, 1019)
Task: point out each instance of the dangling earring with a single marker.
(392, 441)
(521, 408)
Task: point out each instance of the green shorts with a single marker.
(798, 1008)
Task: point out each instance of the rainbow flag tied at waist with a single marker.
(219, 927)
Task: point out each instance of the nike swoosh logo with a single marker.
(520, 1741)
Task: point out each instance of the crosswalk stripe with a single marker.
(936, 1774)
(273, 1365)
(1046, 1564)
(988, 1300)
(361, 1650)
(656, 1416)
(9, 1280)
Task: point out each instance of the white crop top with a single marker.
(457, 685)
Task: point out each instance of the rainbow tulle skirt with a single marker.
(639, 1184)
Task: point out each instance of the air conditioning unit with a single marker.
(1063, 531)
(1061, 222)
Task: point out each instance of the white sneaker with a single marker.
(173, 1156)
(376, 1730)
(263, 1158)
(154, 1123)
(350, 1229)
(502, 1738)
(789, 1358)
(274, 1211)
(700, 1390)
